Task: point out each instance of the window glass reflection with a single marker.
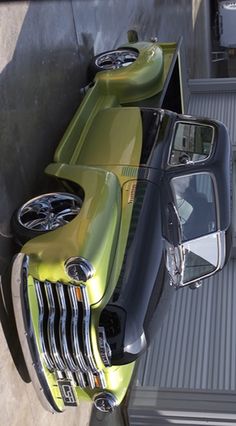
(192, 142)
(196, 267)
(195, 203)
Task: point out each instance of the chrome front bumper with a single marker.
(64, 334)
(26, 333)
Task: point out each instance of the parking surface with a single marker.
(45, 48)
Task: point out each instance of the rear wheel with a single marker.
(43, 214)
(112, 60)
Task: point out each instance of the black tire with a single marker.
(43, 214)
(112, 60)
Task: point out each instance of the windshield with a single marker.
(195, 202)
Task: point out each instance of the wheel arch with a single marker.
(141, 80)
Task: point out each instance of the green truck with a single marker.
(145, 211)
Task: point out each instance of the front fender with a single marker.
(91, 235)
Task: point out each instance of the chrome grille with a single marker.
(64, 327)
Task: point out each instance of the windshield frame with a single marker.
(177, 280)
(221, 258)
(220, 234)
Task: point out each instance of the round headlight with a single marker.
(105, 402)
(79, 269)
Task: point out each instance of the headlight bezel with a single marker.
(105, 402)
(79, 269)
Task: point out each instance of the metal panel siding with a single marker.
(149, 407)
(219, 106)
(196, 347)
(194, 352)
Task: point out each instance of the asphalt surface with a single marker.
(45, 48)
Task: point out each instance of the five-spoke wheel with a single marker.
(45, 213)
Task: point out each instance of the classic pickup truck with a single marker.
(145, 211)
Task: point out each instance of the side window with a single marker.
(192, 142)
(194, 199)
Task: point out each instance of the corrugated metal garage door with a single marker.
(196, 347)
(215, 98)
(194, 353)
(188, 375)
(216, 105)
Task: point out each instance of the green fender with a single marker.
(138, 81)
(92, 234)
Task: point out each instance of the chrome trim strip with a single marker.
(46, 356)
(51, 332)
(69, 376)
(102, 379)
(62, 329)
(80, 379)
(74, 329)
(222, 249)
(91, 379)
(86, 336)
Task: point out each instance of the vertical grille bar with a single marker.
(74, 329)
(46, 356)
(51, 331)
(62, 329)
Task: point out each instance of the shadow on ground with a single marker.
(40, 91)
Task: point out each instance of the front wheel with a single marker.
(43, 214)
(112, 60)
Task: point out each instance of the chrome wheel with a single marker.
(49, 211)
(116, 59)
